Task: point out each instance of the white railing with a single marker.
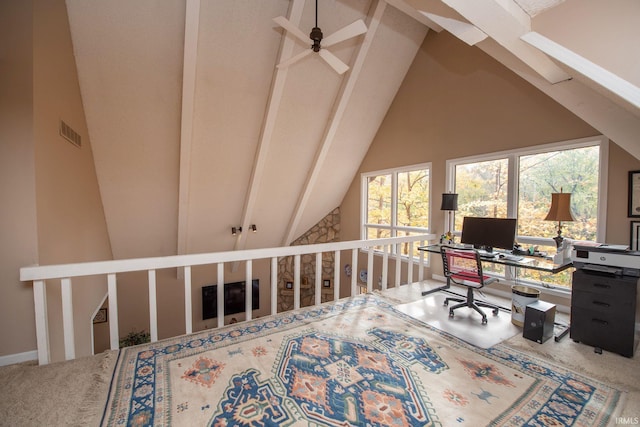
(388, 248)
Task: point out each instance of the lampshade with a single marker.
(449, 202)
(560, 208)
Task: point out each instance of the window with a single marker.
(396, 202)
(519, 183)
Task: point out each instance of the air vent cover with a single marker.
(70, 135)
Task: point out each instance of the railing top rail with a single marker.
(141, 264)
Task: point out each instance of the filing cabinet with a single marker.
(603, 309)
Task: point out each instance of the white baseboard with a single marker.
(12, 359)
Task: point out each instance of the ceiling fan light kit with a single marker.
(352, 30)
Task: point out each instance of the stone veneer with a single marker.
(325, 231)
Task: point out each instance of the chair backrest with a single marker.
(462, 265)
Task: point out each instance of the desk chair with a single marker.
(463, 267)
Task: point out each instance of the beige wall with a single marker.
(18, 230)
(456, 101)
(52, 212)
(71, 223)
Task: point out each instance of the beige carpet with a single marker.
(74, 393)
(60, 394)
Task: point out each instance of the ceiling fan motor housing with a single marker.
(316, 36)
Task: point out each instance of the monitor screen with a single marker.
(489, 233)
(234, 298)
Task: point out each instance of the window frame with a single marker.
(393, 227)
(512, 186)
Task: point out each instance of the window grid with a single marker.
(513, 157)
(370, 229)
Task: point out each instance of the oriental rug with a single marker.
(356, 362)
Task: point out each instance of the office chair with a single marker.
(463, 267)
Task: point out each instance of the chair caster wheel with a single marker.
(496, 311)
(484, 320)
(446, 303)
(450, 313)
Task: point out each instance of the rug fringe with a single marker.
(96, 397)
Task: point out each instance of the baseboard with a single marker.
(12, 359)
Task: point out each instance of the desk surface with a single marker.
(533, 263)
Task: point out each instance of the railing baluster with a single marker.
(248, 293)
(421, 263)
(67, 320)
(42, 322)
(385, 267)
(188, 310)
(153, 306)
(318, 295)
(336, 275)
(114, 337)
(410, 266)
(296, 282)
(354, 272)
(398, 264)
(370, 251)
(274, 285)
(220, 294)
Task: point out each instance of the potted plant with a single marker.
(134, 338)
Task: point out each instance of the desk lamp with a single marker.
(560, 211)
(449, 204)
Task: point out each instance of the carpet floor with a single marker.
(74, 393)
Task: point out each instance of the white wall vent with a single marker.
(70, 135)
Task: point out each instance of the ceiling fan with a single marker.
(351, 30)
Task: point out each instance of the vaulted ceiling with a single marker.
(195, 130)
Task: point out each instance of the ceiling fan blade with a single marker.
(351, 30)
(295, 58)
(334, 61)
(284, 23)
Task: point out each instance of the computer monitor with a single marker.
(489, 233)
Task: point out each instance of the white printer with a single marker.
(612, 259)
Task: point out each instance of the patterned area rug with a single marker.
(358, 362)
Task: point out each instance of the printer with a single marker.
(605, 258)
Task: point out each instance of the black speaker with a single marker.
(539, 317)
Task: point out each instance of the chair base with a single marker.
(471, 303)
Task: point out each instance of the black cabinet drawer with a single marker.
(603, 302)
(607, 332)
(603, 311)
(622, 286)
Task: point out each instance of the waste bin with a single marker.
(522, 295)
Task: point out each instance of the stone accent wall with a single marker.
(325, 231)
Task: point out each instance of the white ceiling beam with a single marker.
(419, 16)
(275, 99)
(593, 72)
(501, 25)
(191, 27)
(334, 122)
(466, 32)
(608, 117)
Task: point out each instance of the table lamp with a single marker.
(560, 211)
(449, 204)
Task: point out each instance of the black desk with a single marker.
(533, 263)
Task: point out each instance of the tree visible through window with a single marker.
(484, 190)
(397, 202)
(570, 171)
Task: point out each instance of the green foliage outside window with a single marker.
(397, 203)
(482, 189)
